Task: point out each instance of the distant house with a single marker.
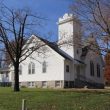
(5, 77)
(66, 64)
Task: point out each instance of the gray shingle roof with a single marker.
(55, 47)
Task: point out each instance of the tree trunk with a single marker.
(16, 77)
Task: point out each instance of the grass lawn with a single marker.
(45, 99)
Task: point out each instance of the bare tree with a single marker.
(15, 27)
(95, 18)
(6, 55)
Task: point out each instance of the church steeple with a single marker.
(69, 31)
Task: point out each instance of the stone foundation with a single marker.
(43, 84)
(61, 84)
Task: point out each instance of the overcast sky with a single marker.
(51, 9)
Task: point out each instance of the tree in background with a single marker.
(16, 25)
(95, 18)
(107, 68)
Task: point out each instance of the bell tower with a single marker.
(69, 34)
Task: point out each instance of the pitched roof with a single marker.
(55, 47)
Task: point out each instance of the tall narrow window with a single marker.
(91, 68)
(7, 74)
(98, 70)
(20, 70)
(44, 67)
(67, 68)
(78, 72)
(31, 68)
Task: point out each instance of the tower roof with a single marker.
(67, 18)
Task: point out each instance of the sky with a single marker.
(50, 9)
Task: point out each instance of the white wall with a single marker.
(65, 31)
(69, 30)
(55, 67)
(69, 76)
(91, 56)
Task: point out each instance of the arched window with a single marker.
(31, 68)
(44, 67)
(98, 70)
(20, 70)
(91, 68)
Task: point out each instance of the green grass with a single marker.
(45, 99)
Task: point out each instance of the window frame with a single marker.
(31, 84)
(91, 68)
(31, 68)
(44, 67)
(57, 83)
(7, 75)
(98, 70)
(67, 68)
(44, 84)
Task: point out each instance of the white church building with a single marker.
(65, 64)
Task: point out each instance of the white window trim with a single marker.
(31, 68)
